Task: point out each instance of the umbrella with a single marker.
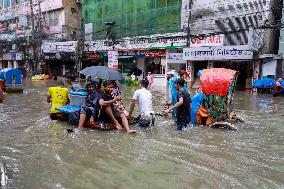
(135, 71)
(102, 72)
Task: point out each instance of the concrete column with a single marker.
(210, 64)
(15, 64)
(63, 69)
(256, 70)
(10, 65)
(166, 66)
(141, 65)
(190, 70)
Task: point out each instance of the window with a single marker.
(6, 3)
(161, 3)
(54, 18)
(172, 2)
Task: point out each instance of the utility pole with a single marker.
(111, 36)
(190, 2)
(80, 49)
(188, 38)
(33, 36)
(36, 39)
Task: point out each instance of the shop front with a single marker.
(145, 60)
(58, 64)
(239, 58)
(59, 57)
(175, 62)
(94, 59)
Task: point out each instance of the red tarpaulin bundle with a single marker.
(216, 81)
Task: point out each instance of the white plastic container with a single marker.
(77, 98)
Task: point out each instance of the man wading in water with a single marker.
(144, 97)
(183, 106)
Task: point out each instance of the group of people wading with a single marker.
(104, 105)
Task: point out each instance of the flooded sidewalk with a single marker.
(39, 153)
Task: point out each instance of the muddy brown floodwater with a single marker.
(39, 153)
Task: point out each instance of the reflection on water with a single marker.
(39, 153)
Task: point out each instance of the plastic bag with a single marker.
(196, 103)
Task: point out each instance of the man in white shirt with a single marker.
(144, 98)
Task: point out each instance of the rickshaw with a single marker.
(215, 102)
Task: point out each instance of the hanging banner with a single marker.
(241, 52)
(113, 59)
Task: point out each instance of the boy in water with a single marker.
(91, 110)
(144, 97)
(183, 106)
(108, 110)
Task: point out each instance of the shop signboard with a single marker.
(92, 56)
(68, 46)
(19, 56)
(13, 55)
(241, 52)
(207, 41)
(7, 56)
(23, 21)
(113, 59)
(176, 58)
(140, 43)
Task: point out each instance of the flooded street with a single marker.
(39, 153)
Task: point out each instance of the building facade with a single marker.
(28, 23)
(249, 37)
(146, 31)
